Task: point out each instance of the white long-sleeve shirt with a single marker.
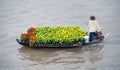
(93, 26)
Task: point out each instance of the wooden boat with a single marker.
(29, 39)
(97, 39)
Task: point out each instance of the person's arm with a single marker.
(98, 26)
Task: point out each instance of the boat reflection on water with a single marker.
(89, 53)
(94, 52)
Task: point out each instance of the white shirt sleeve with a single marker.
(98, 27)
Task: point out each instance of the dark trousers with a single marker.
(92, 35)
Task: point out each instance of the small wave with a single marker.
(107, 35)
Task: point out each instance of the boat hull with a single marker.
(96, 40)
(47, 45)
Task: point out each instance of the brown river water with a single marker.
(16, 16)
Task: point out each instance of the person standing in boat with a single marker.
(93, 27)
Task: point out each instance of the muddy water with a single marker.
(16, 16)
